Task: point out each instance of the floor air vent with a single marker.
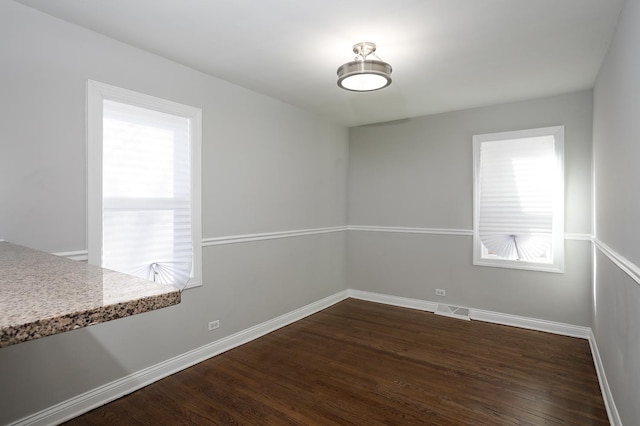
(453, 311)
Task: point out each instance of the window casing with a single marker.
(519, 199)
(143, 185)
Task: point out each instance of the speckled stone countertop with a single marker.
(42, 294)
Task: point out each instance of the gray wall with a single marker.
(271, 167)
(616, 313)
(266, 167)
(418, 173)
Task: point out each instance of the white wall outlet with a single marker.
(214, 324)
(440, 292)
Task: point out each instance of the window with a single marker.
(143, 185)
(519, 199)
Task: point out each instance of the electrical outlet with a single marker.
(440, 292)
(214, 324)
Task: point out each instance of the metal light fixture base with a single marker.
(362, 74)
(364, 49)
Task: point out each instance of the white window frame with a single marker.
(557, 261)
(98, 92)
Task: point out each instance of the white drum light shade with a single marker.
(362, 74)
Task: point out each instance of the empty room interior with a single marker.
(316, 205)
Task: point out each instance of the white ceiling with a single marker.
(446, 54)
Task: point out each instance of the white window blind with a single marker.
(144, 186)
(519, 198)
(146, 193)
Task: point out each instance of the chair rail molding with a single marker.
(244, 238)
(444, 231)
(82, 255)
(407, 230)
(622, 262)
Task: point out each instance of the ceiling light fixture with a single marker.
(364, 74)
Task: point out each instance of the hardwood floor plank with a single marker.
(364, 363)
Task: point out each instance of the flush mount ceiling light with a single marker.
(364, 74)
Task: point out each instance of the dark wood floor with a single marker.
(364, 363)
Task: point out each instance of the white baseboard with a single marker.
(610, 405)
(118, 388)
(387, 299)
(530, 323)
(478, 314)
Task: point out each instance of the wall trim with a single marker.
(94, 398)
(444, 231)
(479, 314)
(74, 255)
(607, 396)
(400, 229)
(530, 323)
(244, 238)
(232, 239)
(403, 302)
(83, 255)
(577, 237)
(111, 391)
(622, 262)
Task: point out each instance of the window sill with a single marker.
(43, 294)
(512, 264)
